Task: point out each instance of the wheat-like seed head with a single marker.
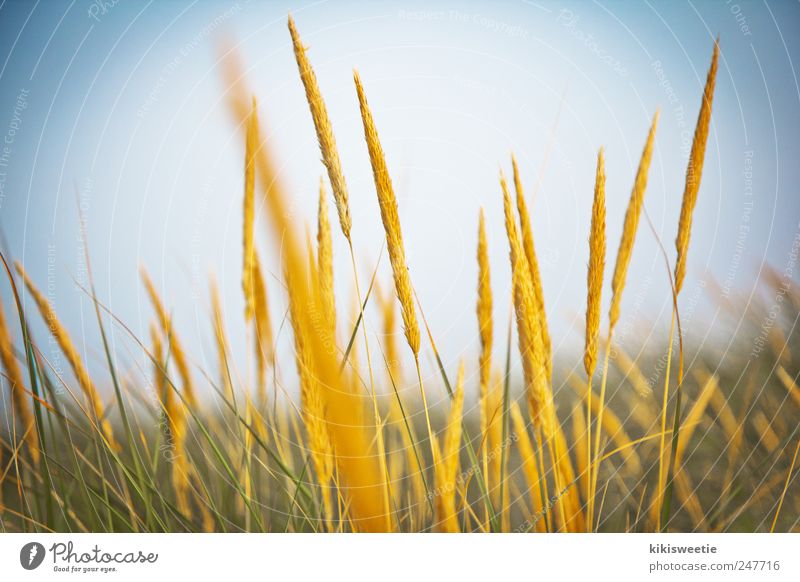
(264, 343)
(630, 226)
(359, 477)
(17, 387)
(70, 352)
(160, 380)
(221, 341)
(533, 266)
(694, 172)
(391, 221)
(248, 244)
(311, 399)
(446, 463)
(386, 304)
(176, 349)
(529, 335)
(325, 261)
(528, 461)
(484, 308)
(327, 143)
(597, 258)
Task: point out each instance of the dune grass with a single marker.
(345, 449)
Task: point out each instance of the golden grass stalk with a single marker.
(529, 336)
(570, 504)
(788, 383)
(313, 411)
(325, 262)
(327, 142)
(632, 372)
(394, 241)
(159, 377)
(264, 346)
(59, 332)
(579, 439)
(221, 341)
(19, 401)
(594, 284)
(493, 439)
(175, 417)
(180, 468)
(725, 417)
(391, 221)
(785, 488)
(484, 312)
(694, 417)
(176, 349)
(248, 244)
(529, 467)
(361, 481)
(597, 261)
(767, 436)
(447, 462)
(386, 302)
(630, 226)
(533, 266)
(612, 426)
(694, 171)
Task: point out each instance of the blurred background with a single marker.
(117, 140)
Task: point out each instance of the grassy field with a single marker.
(635, 434)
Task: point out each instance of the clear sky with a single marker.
(117, 107)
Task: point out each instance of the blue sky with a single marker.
(118, 108)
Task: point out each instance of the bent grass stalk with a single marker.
(694, 172)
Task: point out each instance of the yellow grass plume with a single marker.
(248, 244)
(19, 401)
(325, 262)
(694, 417)
(631, 370)
(327, 143)
(176, 349)
(360, 479)
(159, 377)
(767, 436)
(313, 410)
(790, 385)
(391, 221)
(221, 341)
(529, 468)
(264, 346)
(533, 266)
(447, 462)
(597, 261)
(386, 303)
(694, 171)
(612, 426)
(71, 354)
(529, 336)
(484, 312)
(630, 226)
(175, 416)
